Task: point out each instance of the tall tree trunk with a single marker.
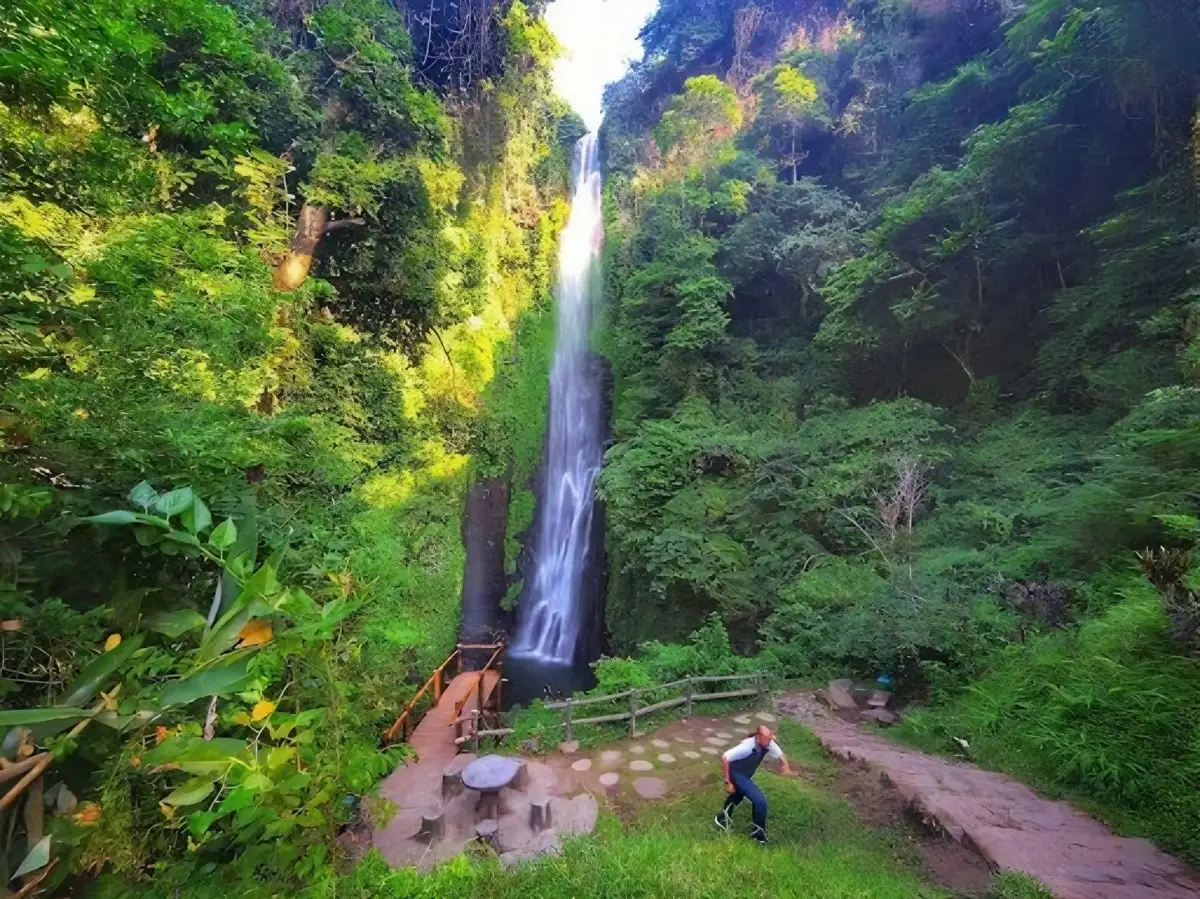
(294, 269)
(314, 224)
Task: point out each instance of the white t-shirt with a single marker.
(746, 747)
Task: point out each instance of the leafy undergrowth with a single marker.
(1104, 715)
(707, 653)
(1011, 885)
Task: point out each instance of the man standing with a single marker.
(739, 765)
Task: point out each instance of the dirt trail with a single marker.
(1006, 822)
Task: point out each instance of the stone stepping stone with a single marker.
(715, 741)
(581, 765)
(661, 744)
(765, 716)
(708, 730)
(684, 740)
(710, 750)
(724, 735)
(610, 757)
(641, 765)
(666, 758)
(637, 749)
(609, 779)
(650, 787)
(742, 719)
(691, 755)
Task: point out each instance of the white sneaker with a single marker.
(723, 821)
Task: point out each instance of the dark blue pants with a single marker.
(745, 788)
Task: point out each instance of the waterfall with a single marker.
(548, 620)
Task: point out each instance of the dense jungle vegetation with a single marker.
(267, 270)
(903, 320)
(904, 326)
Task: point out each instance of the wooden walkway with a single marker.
(416, 786)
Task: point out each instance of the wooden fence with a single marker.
(689, 698)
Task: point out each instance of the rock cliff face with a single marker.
(485, 523)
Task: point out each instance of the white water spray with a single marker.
(549, 618)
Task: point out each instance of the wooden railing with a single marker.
(408, 719)
(689, 698)
(477, 716)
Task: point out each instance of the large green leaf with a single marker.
(175, 624)
(225, 632)
(197, 518)
(120, 516)
(245, 545)
(24, 717)
(38, 857)
(209, 682)
(100, 669)
(224, 535)
(143, 496)
(183, 750)
(195, 790)
(175, 502)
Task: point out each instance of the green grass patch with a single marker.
(1011, 885)
(672, 849)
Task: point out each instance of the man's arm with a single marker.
(776, 752)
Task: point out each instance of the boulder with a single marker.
(881, 716)
(839, 697)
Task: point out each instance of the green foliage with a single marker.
(152, 161)
(1011, 885)
(696, 121)
(935, 289)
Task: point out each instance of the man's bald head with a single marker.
(763, 735)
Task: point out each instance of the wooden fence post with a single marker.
(437, 686)
(475, 735)
(568, 720)
(760, 683)
(633, 713)
(688, 707)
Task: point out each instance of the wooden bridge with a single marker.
(460, 704)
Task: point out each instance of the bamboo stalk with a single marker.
(729, 694)
(16, 769)
(591, 700)
(45, 759)
(660, 706)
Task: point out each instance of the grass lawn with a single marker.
(672, 849)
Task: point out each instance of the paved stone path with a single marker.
(1006, 822)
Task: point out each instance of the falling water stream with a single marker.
(549, 617)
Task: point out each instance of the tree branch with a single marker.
(339, 224)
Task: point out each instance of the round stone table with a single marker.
(489, 775)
